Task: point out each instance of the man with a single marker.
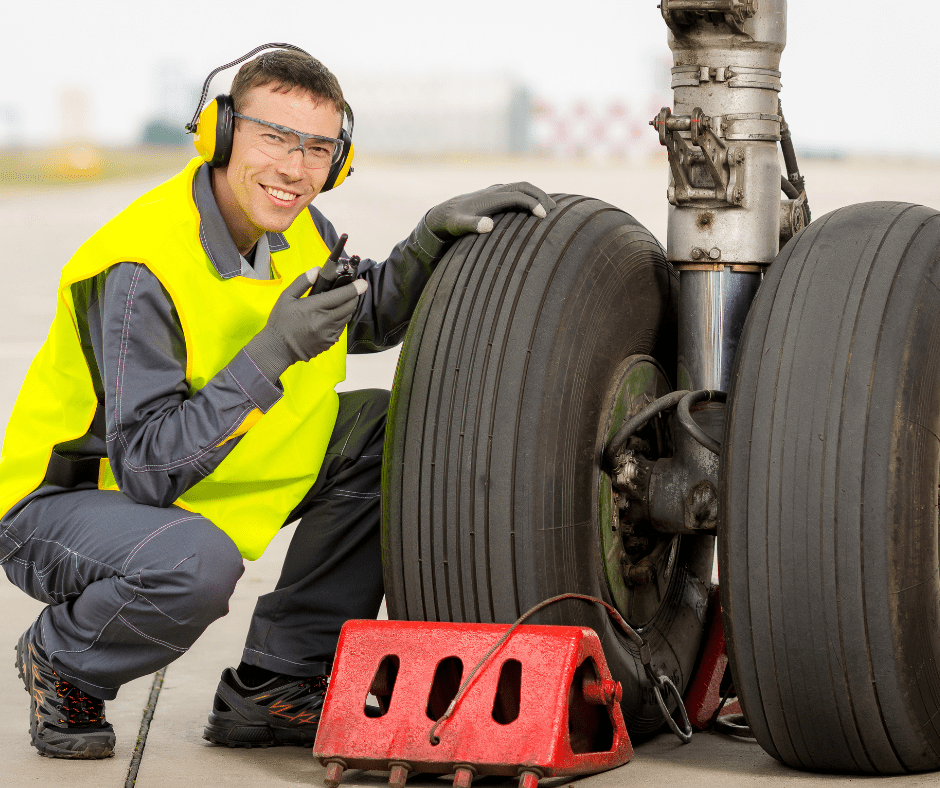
(183, 409)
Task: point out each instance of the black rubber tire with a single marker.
(828, 547)
(492, 442)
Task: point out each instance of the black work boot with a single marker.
(64, 721)
(282, 710)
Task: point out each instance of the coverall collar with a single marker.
(214, 235)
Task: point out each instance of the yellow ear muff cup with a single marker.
(215, 131)
(342, 168)
(347, 165)
(204, 140)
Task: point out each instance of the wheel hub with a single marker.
(638, 560)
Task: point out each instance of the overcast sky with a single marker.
(857, 74)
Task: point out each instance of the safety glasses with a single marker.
(279, 142)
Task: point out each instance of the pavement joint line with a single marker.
(145, 721)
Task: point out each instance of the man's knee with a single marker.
(378, 400)
(204, 581)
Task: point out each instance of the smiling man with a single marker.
(183, 410)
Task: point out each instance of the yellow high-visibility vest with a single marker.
(278, 456)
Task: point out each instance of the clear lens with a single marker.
(279, 142)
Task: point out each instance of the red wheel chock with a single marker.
(543, 705)
(704, 693)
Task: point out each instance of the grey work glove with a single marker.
(470, 213)
(300, 328)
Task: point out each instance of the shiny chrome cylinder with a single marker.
(713, 306)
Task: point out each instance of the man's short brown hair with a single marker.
(287, 69)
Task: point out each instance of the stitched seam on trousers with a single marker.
(162, 613)
(354, 494)
(17, 546)
(282, 659)
(47, 570)
(56, 561)
(79, 571)
(182, 562)
(36, 573)
(151, 536)
(351, 431)
(41, 576)
(5, 534)
(159, 642)
(90, 645)
(16, 517)
(394, 331)
(75, 552)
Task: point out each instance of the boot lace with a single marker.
(77, 707)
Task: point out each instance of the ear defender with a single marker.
(343, 167)
(215, 131)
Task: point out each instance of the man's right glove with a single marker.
(300, 328)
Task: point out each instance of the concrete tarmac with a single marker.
(377, 207)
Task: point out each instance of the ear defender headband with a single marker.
(214, 126)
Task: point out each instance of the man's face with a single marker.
(256, 193)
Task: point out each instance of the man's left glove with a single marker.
(470, 213)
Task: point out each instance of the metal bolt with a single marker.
(714, 253)
(528, 779)
(697, 254)
(399, 775)
(334, 773)
(639, 575)
(463, 776)
(739, 194)
(613, 691)
(739, 155)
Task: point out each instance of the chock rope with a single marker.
(659, 681)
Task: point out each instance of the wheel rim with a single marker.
(638, 561)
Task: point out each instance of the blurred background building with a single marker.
(427, 78)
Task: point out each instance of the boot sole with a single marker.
(247, 735)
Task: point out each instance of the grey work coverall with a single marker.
(131, 580)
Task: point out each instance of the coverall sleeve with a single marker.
(161, 439)
(395, 285)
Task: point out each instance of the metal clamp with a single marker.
(721, 164)
(732, 76)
